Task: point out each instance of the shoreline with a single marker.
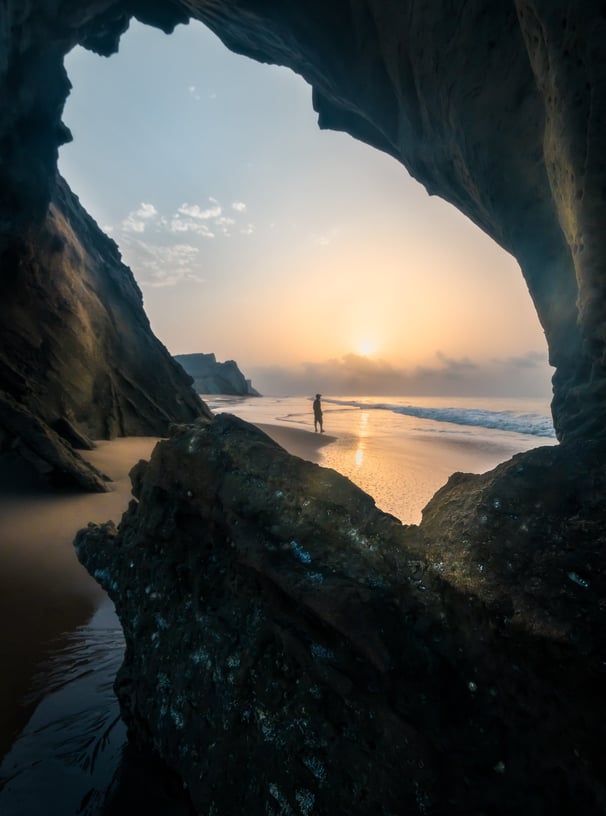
(45, 592)
(298, 442)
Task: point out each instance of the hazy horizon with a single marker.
(356, 375)
(313, 260)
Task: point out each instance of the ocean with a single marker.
(71, 741)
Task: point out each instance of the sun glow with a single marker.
(366, 347)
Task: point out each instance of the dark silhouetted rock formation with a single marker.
(78, 359)
(290, 648)
(211, 377)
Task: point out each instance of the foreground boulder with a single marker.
(290, 650)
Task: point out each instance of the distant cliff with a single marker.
(211, 377)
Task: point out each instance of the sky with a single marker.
(313, 260)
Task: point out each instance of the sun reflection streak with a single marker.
(362, 433)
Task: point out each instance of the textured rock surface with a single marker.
(495, 106)
(27, 444)
(529, 537)
(77, 355)
(291, 650)
(211, 377)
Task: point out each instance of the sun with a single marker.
(366, 347)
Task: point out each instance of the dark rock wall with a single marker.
(289, 648)
(78, 359)
(34, 38)
(77, 355)
(566, 44)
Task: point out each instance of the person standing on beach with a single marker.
(318, 414)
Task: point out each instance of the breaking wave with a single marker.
(531, 423)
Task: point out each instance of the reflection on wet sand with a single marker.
(44, 591)
(72, 756)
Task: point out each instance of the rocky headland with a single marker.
(211, 377)
(289, 648)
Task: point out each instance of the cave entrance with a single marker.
(313, 260)
(303, 255)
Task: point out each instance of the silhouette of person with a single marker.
(318, 414)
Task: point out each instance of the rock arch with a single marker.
(496, 107)
(483, 632)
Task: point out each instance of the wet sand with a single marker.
(45, 592)
(305, 444)
(399, 460)
(403, 471)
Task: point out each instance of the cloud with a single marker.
(354, 375)
(136, 220)
(223, 223)
(193, 91)
(532, 359)
(163, 265)
(239, 206)
(195, 211)
(453, 365)
(183, 225)
(146, 211)
(164, 259)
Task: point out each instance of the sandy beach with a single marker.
(301, 443)
(44, 591)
